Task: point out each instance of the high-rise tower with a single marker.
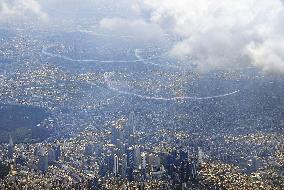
(43, 160)
(11, 148)
(115, 165)
(131, 124)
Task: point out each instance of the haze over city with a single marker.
(141, 94)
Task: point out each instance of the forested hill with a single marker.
(21, 122)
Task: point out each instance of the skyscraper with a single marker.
(43, 160)
(57, 152)
(110, 163)
(114, 134)
(51, 156)
(89, 150)
(192, 171)
(130, 162)
(200, 155)
(183, 156)
(130, 157)
(123, 171)
(117, 132)
(138, 159)
(98, 149)
(115, 165)
(131, 125)
(144, 160)
(10, 148)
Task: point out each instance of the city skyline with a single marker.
(141, 94)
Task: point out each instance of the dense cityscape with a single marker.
(136, 95)
(120, 157)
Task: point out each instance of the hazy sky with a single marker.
(213, 34)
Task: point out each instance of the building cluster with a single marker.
(127, 159)
(224, 143)
(120, 156)
(114, 159)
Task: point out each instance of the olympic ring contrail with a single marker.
(139, 59)
(105, 35)
(47, 53)
(163, 98)
(173, 98)
(147, 61)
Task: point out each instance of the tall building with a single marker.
(98, 149)
(10, 148)
(103, 167)
(193, 171)
(185, 171)
(110, 163)
(131, 125)
(137, 158)
(57, 150)
(89, 150)
(117, 132)
(200, 155)
(191, 153)
(43, 160)
(121, 148)
(130, 162)
(36, 151)
(51, 156)
(144, 160)
(115, 165)
(144, 165)
(132, 140)
(123, 170)
(130, 157)
(114, 134)
(183, 156)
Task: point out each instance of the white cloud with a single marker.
(137, 28)
(224, 33)
(214, 34)
(21, 9)
(268, 55)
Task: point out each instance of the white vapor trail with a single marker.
(49, 54)
(105, 35)
(163, 98)
(149, 62)
(141, 60)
